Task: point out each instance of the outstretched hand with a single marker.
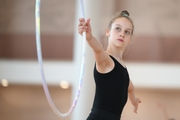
(135, 105)
(84, 26)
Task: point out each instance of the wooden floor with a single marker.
(28, 102)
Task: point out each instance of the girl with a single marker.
(113, 85)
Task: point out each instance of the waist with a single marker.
(104, 114)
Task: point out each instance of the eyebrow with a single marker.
(121, 26)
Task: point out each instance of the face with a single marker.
(120, 33)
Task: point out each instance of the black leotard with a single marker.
(111, 93)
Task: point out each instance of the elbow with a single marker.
(98, 50)
(131, 89)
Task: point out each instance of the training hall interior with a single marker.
(152, 58)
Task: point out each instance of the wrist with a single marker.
(133, 100)
(89, 38)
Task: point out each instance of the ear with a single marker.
(107, 33)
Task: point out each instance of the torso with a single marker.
(111, 88)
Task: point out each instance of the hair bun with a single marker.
(124, 13)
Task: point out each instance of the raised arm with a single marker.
(131, 94)
(101, 56)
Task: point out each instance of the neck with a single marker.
(118, 53)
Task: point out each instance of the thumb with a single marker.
(88, 23)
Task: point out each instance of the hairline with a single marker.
(114, 19)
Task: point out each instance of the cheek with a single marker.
(113, 33)
(128, 38)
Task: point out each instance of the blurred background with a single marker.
(152, 58)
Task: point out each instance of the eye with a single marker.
(118, 28)
(128, 32)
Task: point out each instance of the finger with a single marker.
(81, 24)
(82, 29)
(81, 20)
(135, 110)
(88, 21)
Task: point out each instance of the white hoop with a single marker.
(40, 61)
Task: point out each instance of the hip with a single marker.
(98, 114)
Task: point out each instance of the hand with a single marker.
(135, 105)
(84, 26)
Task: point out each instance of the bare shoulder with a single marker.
(107, 65)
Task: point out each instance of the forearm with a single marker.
(95, 44)
(131, 93)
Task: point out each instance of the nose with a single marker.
(121, 34)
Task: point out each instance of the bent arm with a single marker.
(131, 94)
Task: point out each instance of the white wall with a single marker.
(155, 75)
(28, 72)
(151, 75)
(154, 17)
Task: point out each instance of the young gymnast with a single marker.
(113, 85)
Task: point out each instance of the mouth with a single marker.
(121, 40)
